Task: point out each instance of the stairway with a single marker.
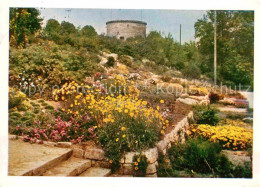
(77, 167)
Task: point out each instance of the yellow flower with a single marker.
(117, 139)
(124, 136)
(126, 111)
(123, 128)
(62, 98)
(138, 160)
(71, 105)
(162, 101)
(131, 114)
(136, 163)
(164, 127)
(162, 131)
(157, 107)
(136, 168)
(63, 109)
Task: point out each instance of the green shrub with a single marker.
(197, 155)
(17, 114)
(44, 104)
(139, 165)
(244, 171)
(214, 97)
(110, 61)
(49, 107)
(205, 115)
(29, 114)
(164, 168)
(126, 60)
(166, 78)
(126, 134)
(16, 98)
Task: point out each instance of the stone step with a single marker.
(34, 159)
(71, 167)
(96, 172)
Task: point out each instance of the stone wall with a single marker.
(176, 135)
(123, 29)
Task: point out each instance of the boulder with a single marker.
(94, 153)
(188, 101)
(151, 154)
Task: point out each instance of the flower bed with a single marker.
(229, 136)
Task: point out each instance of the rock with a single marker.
(161, 145)
(122, 160)
(184, 95)
(50, 143)
(248, 119)
(236, 157)
(199, 98)
(190, 115)
(227, 101)
(188, 101)
(233, 109)
(78, 153)
(129, 157)
(168, 138)
(134, 76)
(94, 153)
(64, 144)
(114, 55)
(151, 155)
(103, 60)
(12, 137)
(151, 169)
(205, 102)
(101, 164)
(127, 169)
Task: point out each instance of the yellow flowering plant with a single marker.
(229, 136)
(124, 121)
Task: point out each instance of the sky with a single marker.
(165, 21)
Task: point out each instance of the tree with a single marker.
(23, 22)
(88, 31)
(235, 45)
(67, 28)
(53, 31)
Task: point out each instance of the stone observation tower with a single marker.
(123, 29)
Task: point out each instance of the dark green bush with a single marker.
(49, 107)
(17, 114)
(110, 61)
(139, 165)
(197, 155)
(244, 171)
(205, 115)
(126, 60)
(214, 97)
